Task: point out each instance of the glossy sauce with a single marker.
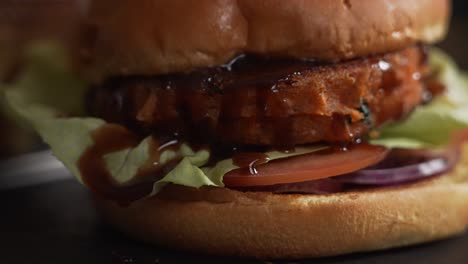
(152, 171)
(249, 161)
(112, 138)
(435, 88)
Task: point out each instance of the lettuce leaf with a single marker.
(50, 97)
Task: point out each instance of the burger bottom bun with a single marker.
(221, 221)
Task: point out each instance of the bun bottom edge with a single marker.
(220, 221)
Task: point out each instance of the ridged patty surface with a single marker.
(265, 101)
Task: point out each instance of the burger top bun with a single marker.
(150, 37)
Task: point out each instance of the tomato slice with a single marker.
(313, 166)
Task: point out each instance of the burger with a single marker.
(267, 129)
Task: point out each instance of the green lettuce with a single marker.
(49, 96)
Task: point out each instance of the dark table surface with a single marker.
(52, 220)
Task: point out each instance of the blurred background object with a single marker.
(23, 21)
(457, 40)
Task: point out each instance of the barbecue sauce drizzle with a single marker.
(111, 138)
(249, 161)
(95, 174)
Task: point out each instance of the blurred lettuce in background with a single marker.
(21, 24)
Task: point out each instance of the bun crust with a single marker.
(158, 37)
(258, 224)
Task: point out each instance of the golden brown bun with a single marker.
(159, 36)
(264, 225)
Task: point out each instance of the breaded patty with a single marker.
(266, 101)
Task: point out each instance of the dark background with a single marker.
(456, 43)
(459, 8)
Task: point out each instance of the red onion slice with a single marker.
(400, 166)
(432, 164)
